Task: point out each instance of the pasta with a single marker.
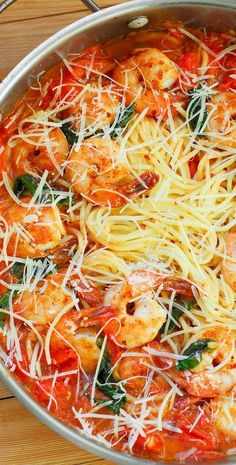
(118, 243)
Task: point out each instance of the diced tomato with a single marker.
(61, 392)
(91, 63)
(230, 62)
(69, 89)
(228, 81)
(193, 165)
(189, 63)
(216, 42)
(204, 432)
(23, 365)
(114, 350)
(2, 267)
(60, 355)
(152, 444)
(80, 68)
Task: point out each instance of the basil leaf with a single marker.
(47, 267)
(194, 353)
(203, 345)
(25, 183)
(18, 270)
(176, 313)
(2, 319)
(123, 120)
(107, 384)
(71, 136)
(4, 303)
(196, 110)
(4, 299)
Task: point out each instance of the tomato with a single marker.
(3, 277)
(193, 165)
(23, 365)
(61, 395)
(216, 42)
(60, 355)
(228, 81)
(203, 433)
(189, 63)
(91, 63)
(113, 350)
(152, 443)
(69, 89)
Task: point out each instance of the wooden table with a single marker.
(24, 440)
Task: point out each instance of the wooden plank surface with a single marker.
(24, 440)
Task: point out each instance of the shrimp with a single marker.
(221, 124)
(228, 267)
(133, 370)
(50, 297)
(82, 340)
(43, 304)
(145, 78)
(223, 411)
(140, 324)
(32, 231)
(46, 152)
(84, 343)
(99, 105)
(90, 64)
(206, 380)
(98, 171)
(78, 70)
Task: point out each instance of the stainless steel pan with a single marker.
(99, 27)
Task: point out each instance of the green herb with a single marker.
(47, 267)
(107, 384)
(18, 270)
(194, 353)
(71, 136)
(176, 313)
(123, 120)
(4, 303)
(196, 111)
(99, 342)
(4, 299)
(2, 319)
(27, 183)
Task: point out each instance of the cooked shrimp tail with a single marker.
(120, 196)
(96, 316)
(179, 285)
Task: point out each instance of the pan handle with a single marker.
(89, 3)
(4, 4)
(92, 5)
